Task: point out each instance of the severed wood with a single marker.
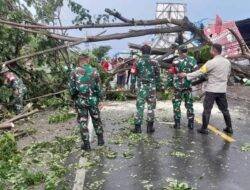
(20, 116)
(6, 126)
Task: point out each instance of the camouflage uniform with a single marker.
(85, 90)
(148, 79)
(19, 91)
(182, 87)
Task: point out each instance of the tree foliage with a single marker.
(101, 52)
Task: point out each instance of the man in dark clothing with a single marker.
(218, 70)
(121, 76)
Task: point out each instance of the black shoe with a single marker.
(150, 127)
(228, 130)
(191, 124)
(85, 146)
(137, 129)
(202, 131)
(177, 124)
(100, 140)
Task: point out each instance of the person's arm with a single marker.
(72, 85)
(206, 68)
(97, 87)
(14, 86)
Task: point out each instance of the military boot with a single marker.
(150, 127)
(205, 121)
(191, 123)
(86, 145)
(203, 130)
(137, 129)
(228, 122)
(228, 130)
(177, 124)
(100, 140)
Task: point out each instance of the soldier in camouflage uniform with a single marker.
(182, 87)
(12, 81)
(85, 90)
(147, 74)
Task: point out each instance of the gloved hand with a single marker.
(200, 80)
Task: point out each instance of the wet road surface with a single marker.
(146, 162)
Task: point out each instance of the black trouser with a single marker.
(221, 101)
(129, 73)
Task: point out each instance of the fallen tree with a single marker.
(126, 23)
(98, 38)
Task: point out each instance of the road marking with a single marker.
(167, 123)
(80, 175)
(216, 131)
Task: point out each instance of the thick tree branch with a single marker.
(46, 33)
(46, 95)
(136, 33)
(20, 116)
(154, 51)
(106, 25)
(244, 49)
(242, 44)
(117, 36)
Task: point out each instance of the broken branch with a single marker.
(117, 36)
(116, 14)
(18, 117)
(46, 33)
(107, 25)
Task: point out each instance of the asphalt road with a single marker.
(205, 162)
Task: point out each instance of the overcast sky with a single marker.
(145, 9)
